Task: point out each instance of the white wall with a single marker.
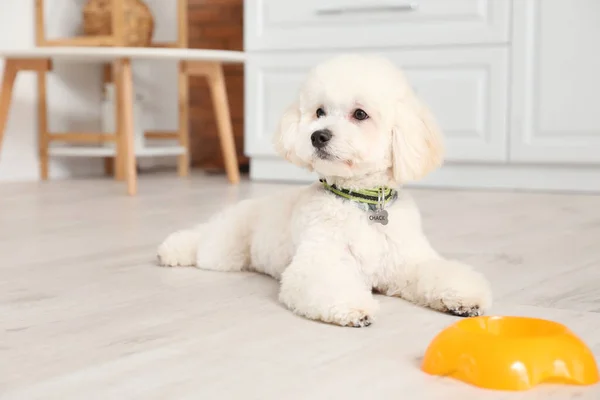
(74, 90)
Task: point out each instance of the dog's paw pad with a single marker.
(465, 311)
(362, 322)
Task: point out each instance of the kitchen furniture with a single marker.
(513, 83)
(206, 63)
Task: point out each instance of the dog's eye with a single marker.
(360, 114)
(320, 113)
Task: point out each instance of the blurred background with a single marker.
(513, 83)
(75, 89)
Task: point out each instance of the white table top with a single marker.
(94, 54)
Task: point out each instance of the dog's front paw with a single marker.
(343, 316)
(354, 319)
(357, 313)
(459, 290)
(178, 249)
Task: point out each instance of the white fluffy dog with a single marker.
(360, 127)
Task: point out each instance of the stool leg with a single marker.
(118, 160)
(218, 90)
(8, 81)
(183, 160)
(126, 128)
(43, 141)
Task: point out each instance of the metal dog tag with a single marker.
(378, 217)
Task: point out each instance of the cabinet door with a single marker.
(466, 90)
(335, 24)
(555, 115)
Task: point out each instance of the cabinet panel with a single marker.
(466, 90)
(332, 24)
(555, 114)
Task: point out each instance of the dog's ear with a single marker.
(286, 133)
(417, 143)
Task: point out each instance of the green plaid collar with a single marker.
(366, 199)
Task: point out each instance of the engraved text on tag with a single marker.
(378, 217)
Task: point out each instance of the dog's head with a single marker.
(356, 116)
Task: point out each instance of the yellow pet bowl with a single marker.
(510, 353)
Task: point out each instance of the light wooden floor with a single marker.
(86, 314)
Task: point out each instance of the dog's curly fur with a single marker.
(326, 255)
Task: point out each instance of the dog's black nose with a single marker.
(320, 138)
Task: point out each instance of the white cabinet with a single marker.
(333, 24)
(465, 89)
(556, 82)
(514, 84)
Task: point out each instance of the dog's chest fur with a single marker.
(313, 215)
(375, 246)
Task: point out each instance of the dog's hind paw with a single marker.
(178, 249)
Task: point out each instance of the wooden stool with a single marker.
(122, 160)
(207, 63)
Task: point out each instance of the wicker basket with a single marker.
(139, 22)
